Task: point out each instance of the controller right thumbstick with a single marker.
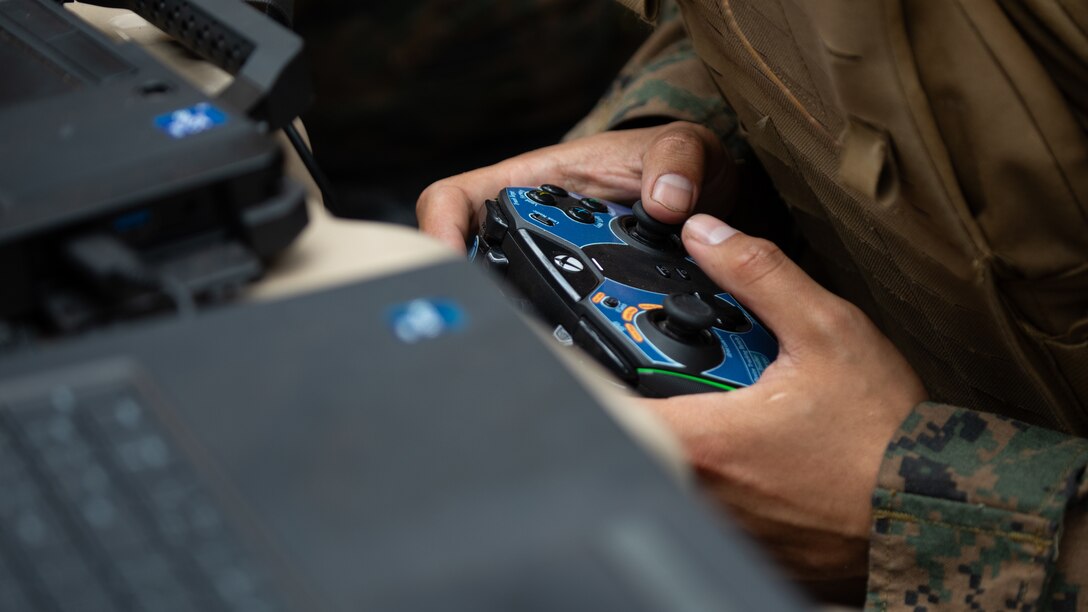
(687, 316)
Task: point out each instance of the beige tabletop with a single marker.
(333, 251)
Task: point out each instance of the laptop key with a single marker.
(40, 540)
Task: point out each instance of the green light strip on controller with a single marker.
(691, 378)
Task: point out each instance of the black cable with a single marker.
(308, 160)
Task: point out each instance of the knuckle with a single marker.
(679, 143)
(426, 197)
(756, 260)
(836, 319)
(434, 194)
(834, 316)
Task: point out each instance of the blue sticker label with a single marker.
(426, 319)
(191, 121)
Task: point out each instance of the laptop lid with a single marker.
(404, 443)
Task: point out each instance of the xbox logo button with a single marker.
(568, 263)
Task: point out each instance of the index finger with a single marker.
(608, 165)
(447, 212)
(451, 209)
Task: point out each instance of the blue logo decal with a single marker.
(191, 121)
(425, 319)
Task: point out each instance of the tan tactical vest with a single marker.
(935, 154)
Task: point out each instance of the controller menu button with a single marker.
(682, 273)
(580, 214)
(544, 219)
(541, 197)
(664, 271)
(594, 204)
(554, 190)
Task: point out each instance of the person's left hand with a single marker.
(795, 456)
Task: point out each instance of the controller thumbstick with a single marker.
(686, 316)
(650, 230)
(679, 329)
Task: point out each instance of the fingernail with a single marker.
(673, 192)
(708, 230)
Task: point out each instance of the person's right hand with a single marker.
(675, 169)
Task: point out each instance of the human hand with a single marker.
(671, 167)
(795, 456)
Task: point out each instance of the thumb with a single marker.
(760, 276)
(674, 167)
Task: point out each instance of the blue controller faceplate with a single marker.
(630, 281)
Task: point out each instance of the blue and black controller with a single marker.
(619, 284)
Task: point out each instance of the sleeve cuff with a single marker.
(968, 511)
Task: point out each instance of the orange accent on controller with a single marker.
(631, 329)
(649, 306)
(629, 313)
(597, 298)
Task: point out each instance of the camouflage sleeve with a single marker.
(664, 81)
(976, 511)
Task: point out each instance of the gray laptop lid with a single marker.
(404, 443)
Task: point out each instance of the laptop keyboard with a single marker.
(99, 510)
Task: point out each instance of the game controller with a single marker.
(618, 283)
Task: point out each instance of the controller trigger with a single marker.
(494, 226)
